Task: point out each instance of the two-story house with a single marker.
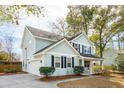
(42, 48)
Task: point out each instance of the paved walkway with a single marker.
(27, 81)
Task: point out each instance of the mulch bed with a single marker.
(3, 74)
(56, 78)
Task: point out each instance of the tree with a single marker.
(8, 44)
(4, 56)
(59, 27)
(80, 18)
(106, 24)
(12, 13)
(120, 62)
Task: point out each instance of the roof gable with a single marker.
(82, 34)
(54, 45)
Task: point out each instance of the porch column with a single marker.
(91, 67)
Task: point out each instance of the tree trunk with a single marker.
(101, 49)
(119, 47)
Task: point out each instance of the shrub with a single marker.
(114, 67)
(46, 71)
(78, 69)
(120, 62)
(97, 69)
(107, 67)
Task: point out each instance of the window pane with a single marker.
(69, 61)
(57, 64)
(69, 64)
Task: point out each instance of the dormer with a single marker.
(82, 44)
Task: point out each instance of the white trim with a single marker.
(90, 58)
(54, 53)
(58, 44)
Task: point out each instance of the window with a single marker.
(76, 46)
(87, 50)
(57, 62)
(69, 61)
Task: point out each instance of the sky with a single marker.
(51, 12)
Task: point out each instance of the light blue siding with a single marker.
(41, 43)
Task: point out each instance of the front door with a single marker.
(87, 66)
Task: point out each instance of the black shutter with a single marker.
(72, 61)
(82, 49)
(90, 49)
(52, 61)
(79, 48)
(73, 44)
(61, 61)
(64, 62)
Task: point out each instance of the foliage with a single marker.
(106, 24)
(103, 22)
(107, 67)
(120, 62)
(78, 69)
(4, 56)
(46, 71)
(79, 18)
(12, 13)
(59, 27)
(114, 67)
(97, 69)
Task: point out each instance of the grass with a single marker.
(112, 81)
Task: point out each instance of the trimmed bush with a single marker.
(46, 71)
(78, 69)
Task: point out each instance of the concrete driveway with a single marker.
(24, 81)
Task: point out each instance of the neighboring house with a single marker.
(42, 48)
(110, 55)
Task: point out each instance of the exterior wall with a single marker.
(82, 40)
(61, 50)
(29, 43)
(64, 71)
(33, 67)
(109, 56)
(40, 43)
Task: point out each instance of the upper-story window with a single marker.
(76, 46)
(87, 50)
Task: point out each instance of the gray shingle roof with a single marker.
(44, 34)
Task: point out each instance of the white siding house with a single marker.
(42, 48)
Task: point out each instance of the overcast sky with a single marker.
(51, 13)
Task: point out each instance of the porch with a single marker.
(87, 63)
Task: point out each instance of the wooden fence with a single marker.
(7, 66)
